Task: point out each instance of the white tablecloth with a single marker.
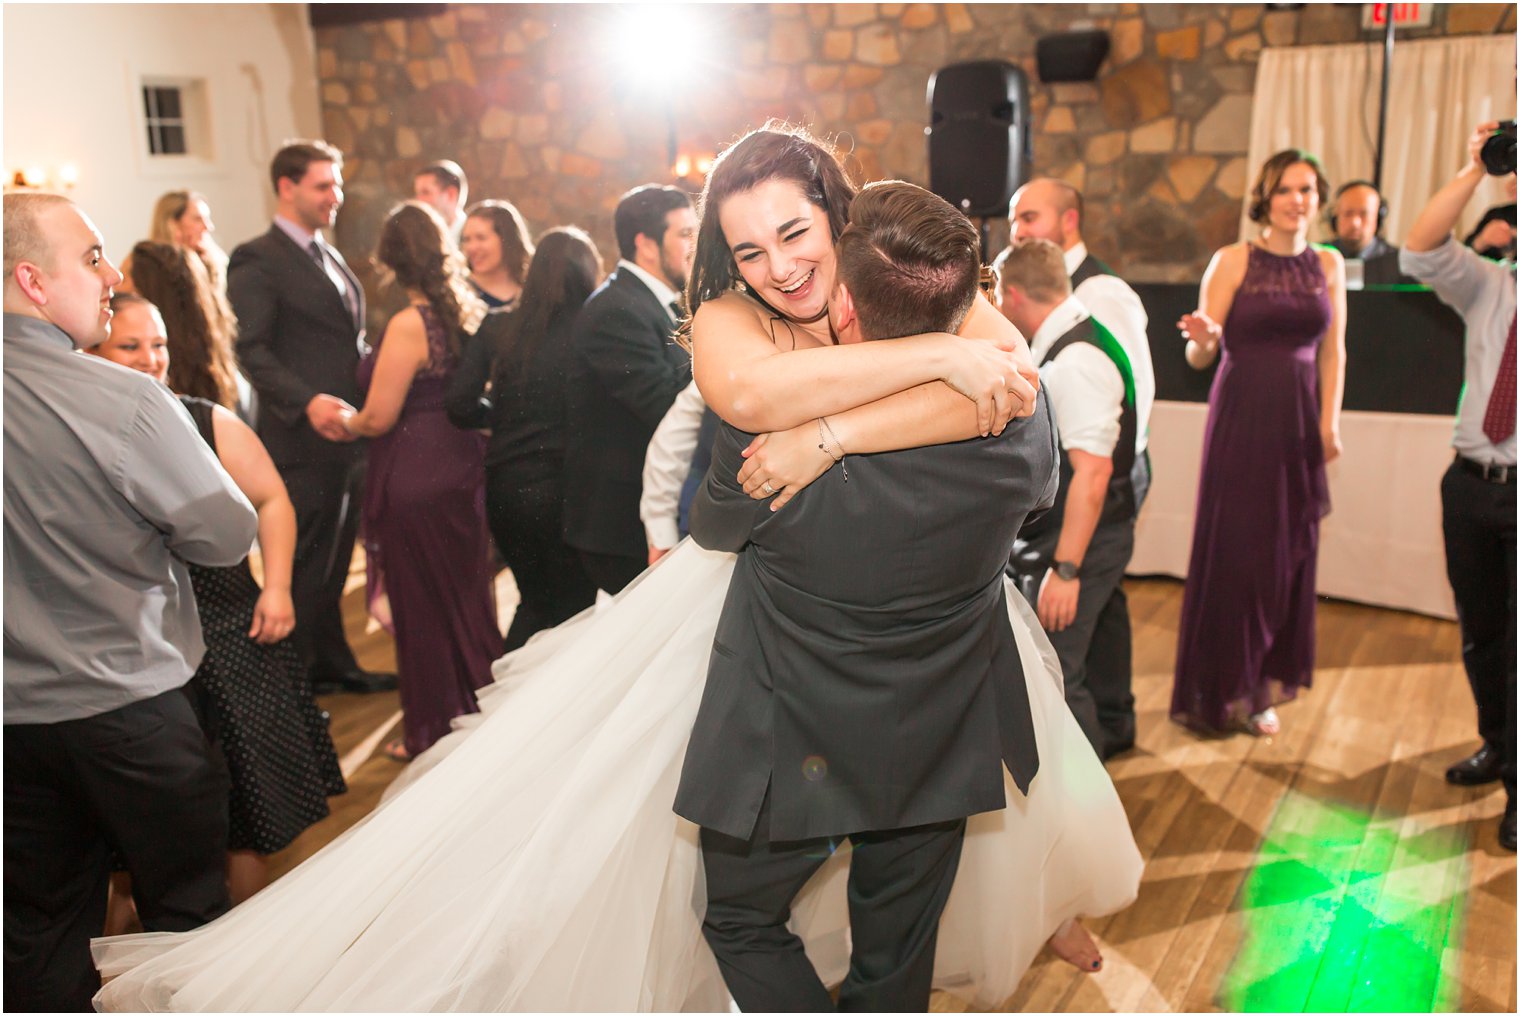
(1381, 543)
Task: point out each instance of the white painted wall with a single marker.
(72, 95)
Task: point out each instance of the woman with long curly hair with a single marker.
(424, 501)
(202, 364)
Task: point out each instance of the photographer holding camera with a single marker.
(1478, 491)
(1494, 235)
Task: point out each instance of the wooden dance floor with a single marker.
(1328, 869)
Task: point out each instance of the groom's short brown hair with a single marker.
(910, 259)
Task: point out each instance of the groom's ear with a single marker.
(842, 315)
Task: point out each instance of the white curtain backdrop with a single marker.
(1325, 99)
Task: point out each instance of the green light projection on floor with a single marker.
(1348, 912)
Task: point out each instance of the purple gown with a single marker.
(1246, 640)
(428, 550)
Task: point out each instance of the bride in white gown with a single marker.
(531, 860)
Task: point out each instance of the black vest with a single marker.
(1089, 267)
(1140, 472)
(1119, 503)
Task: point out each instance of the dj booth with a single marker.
(1381, 543)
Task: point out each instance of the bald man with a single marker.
(1357, 218)
(1049, 209)
(109, 493)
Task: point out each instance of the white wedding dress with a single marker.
(531, 861)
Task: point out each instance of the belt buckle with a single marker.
(1496, 474)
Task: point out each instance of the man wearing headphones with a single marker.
(1356, 218)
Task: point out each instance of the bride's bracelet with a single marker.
(823, 446)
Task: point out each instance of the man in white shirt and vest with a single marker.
(1070, 562)
(1050, 209)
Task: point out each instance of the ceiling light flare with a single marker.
(655, 46)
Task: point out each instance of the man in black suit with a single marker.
(625, 372)
(300, 314)
(864, 680)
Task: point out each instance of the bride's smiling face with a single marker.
(781, 246)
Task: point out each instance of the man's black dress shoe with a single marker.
(1507, 827)
(365, 681)
(1482, 766)
(328, 682)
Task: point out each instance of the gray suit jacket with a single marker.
(864, 669)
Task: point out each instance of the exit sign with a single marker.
(1404, 15)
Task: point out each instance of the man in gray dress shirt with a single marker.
(1478, 490)
(109, 491)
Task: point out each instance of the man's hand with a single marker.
(1476, 141)
(326, 413)
(655, 553)
(1432, 226)
(1058, 601)
(1496, 234)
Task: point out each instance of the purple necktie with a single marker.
(1499, 419)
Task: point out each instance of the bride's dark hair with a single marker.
(777, 151)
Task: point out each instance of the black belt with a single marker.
(1493, 474)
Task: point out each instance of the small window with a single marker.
(176, 122)
(164, 113)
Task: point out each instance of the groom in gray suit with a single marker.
(864, 681)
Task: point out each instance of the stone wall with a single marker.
(532, 102)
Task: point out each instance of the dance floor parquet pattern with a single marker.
(1328, 869)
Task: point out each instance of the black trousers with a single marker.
(899, 883)
(1095, 649)
(612, 571)
(1110, 672)
(1478, 521)
(141, 781)
(527, 523)
(327, 497)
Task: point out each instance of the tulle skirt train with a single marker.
(531, 861)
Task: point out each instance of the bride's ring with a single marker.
(766, 486)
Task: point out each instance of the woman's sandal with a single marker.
(1073, 944)
(1264, 724)
(395, 750)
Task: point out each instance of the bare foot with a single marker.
(1073, 944)
(395, 750)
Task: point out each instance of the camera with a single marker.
(1498, 152)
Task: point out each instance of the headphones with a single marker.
(1382, 215)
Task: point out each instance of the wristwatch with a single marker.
(1066, 570)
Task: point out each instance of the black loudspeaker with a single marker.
(1071, 56)
(978, 135)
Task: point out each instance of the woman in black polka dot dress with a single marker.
(250, 686)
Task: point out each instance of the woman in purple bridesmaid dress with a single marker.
(1276, 306)
(425, 537)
